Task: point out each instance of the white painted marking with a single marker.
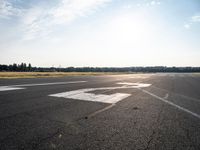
(183, 96)
(140, 77)
(166, 96)
(52, 83)
(101, 110)
(136, 85)
(83, 94)
(173, 104)
(19, 87)
(9, 88)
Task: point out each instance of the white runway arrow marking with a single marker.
(83, 94)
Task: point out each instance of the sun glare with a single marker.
(130, 28)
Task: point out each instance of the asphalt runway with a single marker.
(133, 111)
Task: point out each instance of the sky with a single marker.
(100, 33)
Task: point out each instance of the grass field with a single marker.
(14, 75)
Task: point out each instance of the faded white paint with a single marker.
(51, 83)
(166, 96)
(9, 88)
(83, 94)
(20, 86)
(139, 77)
(172, 104)
(135, 85)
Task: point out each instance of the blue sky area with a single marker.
(112, 33)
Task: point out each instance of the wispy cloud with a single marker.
(155, 2)
(148, 3)
(68, 10)
(193, 20)
(187, 26)
(35, 23)
(196, 18)
(38, 21)
(7, 9)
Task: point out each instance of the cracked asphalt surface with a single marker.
(31, 119)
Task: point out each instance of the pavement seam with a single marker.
(99, 111)
(103, 109)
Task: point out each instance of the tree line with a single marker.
(16, 67)
(23, 67)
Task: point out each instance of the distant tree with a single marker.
(4, 67)
(24, 67)
(10, 68)
(21, 67)
(14, 67)
(29, 67)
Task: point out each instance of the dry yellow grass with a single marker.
(196, 74)
(14, 75)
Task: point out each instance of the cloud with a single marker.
(7, 9)
(38, 21)
(193, 20)
(127, 6)
(68, 10)
(35, 23)
(196, 18)
(155, 2)
(149, 3)
(187, 26)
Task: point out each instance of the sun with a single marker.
(130, 28)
